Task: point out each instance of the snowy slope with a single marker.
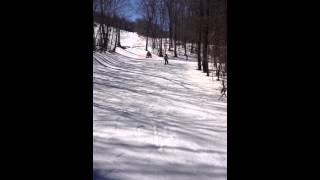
(153, 121)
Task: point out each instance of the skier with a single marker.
(166, 59)
(149, 55)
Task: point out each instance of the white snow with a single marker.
(153, 121)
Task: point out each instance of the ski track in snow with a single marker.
(153, 121)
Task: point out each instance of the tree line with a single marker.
(201, 24)
(197, 26)
(108, 19)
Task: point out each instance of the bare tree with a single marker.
(196, 26)
(148, 10)
(200, 34)
(94, 38)
(169, 5)
(103, 36)
(162, 18)
(116, 40)
(205, 39)
(118, 7)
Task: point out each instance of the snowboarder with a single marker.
(166, 59)
(149, 55)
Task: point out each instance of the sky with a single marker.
(131, 10)
(132, 13)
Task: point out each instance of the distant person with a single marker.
(149, 55)
(166, 59)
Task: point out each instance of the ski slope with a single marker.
(153, 121)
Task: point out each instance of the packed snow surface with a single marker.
(153, 121)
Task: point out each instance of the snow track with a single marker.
(154, 121)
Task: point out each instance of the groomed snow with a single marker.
(153, 121)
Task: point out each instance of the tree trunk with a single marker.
(218, 72)
(170, 32)
(170, 4)
(94, 40)
(225, 65)
(103, 34)
(147, 44)
(112, 36)
(98, 36)
(175, 48)
(215, 57)
(205, 51)
(192, 51)
(199, 50)
(185, 47)
(160, 49)
(107, 36)
(118, 39)
(115, 43)
(153, 43)
(199, 35)
(175, 39)
(170, 36)
(147, 38)
(205, 44)
(226, 36)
